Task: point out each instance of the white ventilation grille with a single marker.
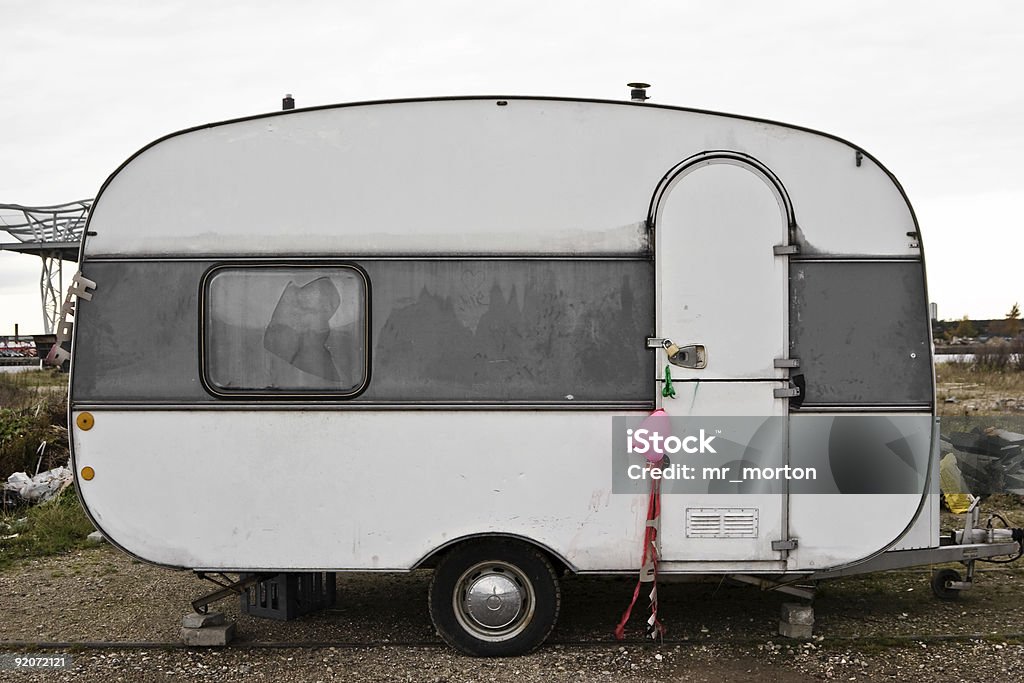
(721, 522)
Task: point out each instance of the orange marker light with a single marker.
(88, 473)
(85, 421)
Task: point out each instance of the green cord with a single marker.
(668, 391)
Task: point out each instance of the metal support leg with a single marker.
(50, 290)
(227, 588)
(969, 579)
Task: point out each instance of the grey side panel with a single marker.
(564, 331)
(449, 330)
(137, 339)
(860, 331)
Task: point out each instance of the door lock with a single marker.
(691, 356)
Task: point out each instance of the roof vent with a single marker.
(288, 102)
(638, 91)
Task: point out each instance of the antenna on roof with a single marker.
(288, 102)
(638, 92)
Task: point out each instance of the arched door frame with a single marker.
(707, 158)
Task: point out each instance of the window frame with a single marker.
(290, 395)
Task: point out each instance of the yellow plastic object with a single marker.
(88, 473)
(954, 490)
(85, 421)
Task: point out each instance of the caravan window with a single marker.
(285, 330)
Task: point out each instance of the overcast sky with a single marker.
(931, 88)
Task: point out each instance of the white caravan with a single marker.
(391, 335)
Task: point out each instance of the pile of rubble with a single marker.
(21, 489)
(987, 460)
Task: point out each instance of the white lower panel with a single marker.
(381, 490)
(835, 529)
(359, 489)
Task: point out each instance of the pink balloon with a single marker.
(658, 421)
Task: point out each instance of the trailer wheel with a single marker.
(939, 587)
(494, 598)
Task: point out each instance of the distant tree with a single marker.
(966, 328)
(1013, 321)
(1010, 325)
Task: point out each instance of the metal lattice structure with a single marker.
(53, 233)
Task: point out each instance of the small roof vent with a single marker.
(638, 91)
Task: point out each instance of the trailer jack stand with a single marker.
(947, 583)
(227, 588)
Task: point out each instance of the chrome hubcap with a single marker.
(494, 601)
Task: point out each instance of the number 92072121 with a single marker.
(10, 661)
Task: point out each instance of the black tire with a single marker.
(522, 616)
(939, 579)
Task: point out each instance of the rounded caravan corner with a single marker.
(293, 263)
(79, 493)
(76, 470)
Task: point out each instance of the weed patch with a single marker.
(33, 422)
(53, 527)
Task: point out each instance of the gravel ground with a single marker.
(880, 627)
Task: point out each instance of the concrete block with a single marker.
(197, 620)
(797, 613)
(209, 636)
(797, 631)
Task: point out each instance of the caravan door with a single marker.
(722, 284)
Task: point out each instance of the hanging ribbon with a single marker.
(651, 550)
(648, 567)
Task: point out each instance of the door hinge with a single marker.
(787, 362)
(786, 249)
(788, 392)
(788, 544)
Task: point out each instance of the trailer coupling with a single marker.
(969, 545)
(947, 583)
